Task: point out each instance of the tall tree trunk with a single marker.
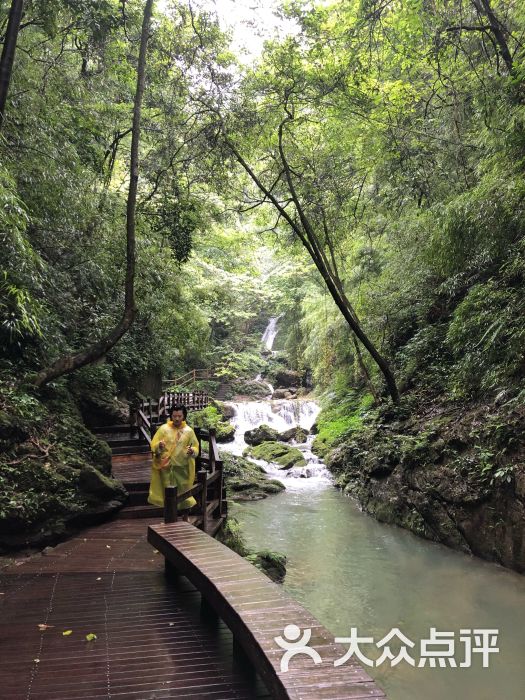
(303, 228)
(8, 52)
(498, 30)
(69, 363)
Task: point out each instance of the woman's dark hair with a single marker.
(179, 407)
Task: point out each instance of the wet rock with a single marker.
(286, 378)
(225, 432)
(250, 388)
(280, 394)
(264, 433)
(247, 481)
(270, 563)
(224, 409)
(298, 434)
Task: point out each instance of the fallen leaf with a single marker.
(171, 624)
(44, 627)
(155, 551)
(99, 578)
(66, 633)
(90, 637)
(108, 546)
(37, 661)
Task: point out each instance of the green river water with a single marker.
(351, 571)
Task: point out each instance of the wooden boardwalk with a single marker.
(258, 610)
(151, 636)
(151, 639)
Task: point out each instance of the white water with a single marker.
(281, 415)
(270, 333)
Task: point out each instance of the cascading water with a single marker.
(281, 415)
(270, 333)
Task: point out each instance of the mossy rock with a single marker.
(246, 481)
(264, 433)
(231, 535)
(94, 484)
(225, 432)
(278, 453)
(298, 434)
(251, 388)
(320, 447)
(211, 417)
(272, 564)
(226, 411)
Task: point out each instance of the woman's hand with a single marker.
(160, 448)
(189, 451)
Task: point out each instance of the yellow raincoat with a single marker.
(173, 466)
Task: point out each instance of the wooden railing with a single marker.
(151, 412)
(190, 377)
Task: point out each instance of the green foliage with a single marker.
(211, 417)
(340, 418)
(44, 446)
(486, 336)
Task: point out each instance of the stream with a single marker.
(351, 571)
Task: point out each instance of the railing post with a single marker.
(221, 491)
(202, 477)
(198, 458)
(212, 446)
(170, 516)
(170, 504)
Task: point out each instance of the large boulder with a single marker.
(273, 564)
(298, 434)
(94, 484)
(286, 378)
(285, 394)
(277, 453)
(251, 388)
(247, 481)
(261, 434)
(224, 409)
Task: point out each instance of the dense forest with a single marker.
(363, 179)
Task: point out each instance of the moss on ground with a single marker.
(340, 418)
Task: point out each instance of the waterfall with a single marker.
(281, 415)
(270, 333)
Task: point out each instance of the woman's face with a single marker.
(177, 417)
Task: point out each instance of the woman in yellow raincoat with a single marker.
(174, 447)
